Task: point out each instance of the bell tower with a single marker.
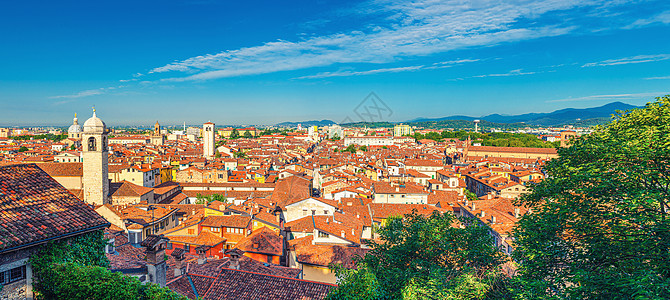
(95, 155)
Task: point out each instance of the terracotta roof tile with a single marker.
(35, 208)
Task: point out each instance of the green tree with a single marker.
(599, 226)
(217, 154)
(335, 137)
(247, 134)
(471, 196)
(363, 148)
(201, 199)
(240, 154)
(23, 149)
(234, 134)
(351, 148)
(421, 257)
(73, 147)
(73, 281)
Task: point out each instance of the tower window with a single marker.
(91, 144)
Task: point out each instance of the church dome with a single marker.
(75, 127)
(94, 124)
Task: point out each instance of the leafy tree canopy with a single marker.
(422, 257)
(234, 134)
(600, 226)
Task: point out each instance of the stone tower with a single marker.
(208, 139)
(94, 141)
(156, 137)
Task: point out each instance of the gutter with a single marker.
(31, 244)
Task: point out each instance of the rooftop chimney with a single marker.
(178, 255)
(516, 212)
(156, 267)
(493, 219)
(342, 233)
(483, 214)
(235, 255)
(358, 215)
(473, 206)
(202, 254)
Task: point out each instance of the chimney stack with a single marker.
(202, 254)
(493, 219)
(483, 214)
(473, 206)
(155, 250)
(178, 255)
(516, 212)
(235, 255)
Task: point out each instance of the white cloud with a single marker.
(412, 29)
(610, 97)
(86, 93)
(517, 72)
(658, 78)
(81, 94)
(352, 73)
(629, 60)
(662, 18)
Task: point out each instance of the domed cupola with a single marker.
(74, 131)
(94, 125)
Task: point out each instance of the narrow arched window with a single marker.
(91, 144)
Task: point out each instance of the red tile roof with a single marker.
(34, 208)
(242, 285)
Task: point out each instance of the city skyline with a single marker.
(233, 63)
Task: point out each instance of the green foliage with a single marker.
(351, 148)
(234, 134)
(274, 131)
(363, 148)
(471, 196)
(240, 154)
(73, 147)
(48, 136)
(600, 226)
(23, 149)
(200, 199)
(73, 281)
(422, 257)
(335, 137)
(248, 134)
(84, 250)
(217, 154)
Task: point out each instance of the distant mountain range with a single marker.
(558, 117)
(307, 123)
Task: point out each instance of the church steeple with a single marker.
(95, 179)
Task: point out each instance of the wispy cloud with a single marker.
(658, 78)
(86, 93)
(411, 29)
(357, 73)
(629, 60)
(81, 94)
(610, 97)
(517, 72)
(662, 18)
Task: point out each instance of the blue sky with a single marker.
(263, 62)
